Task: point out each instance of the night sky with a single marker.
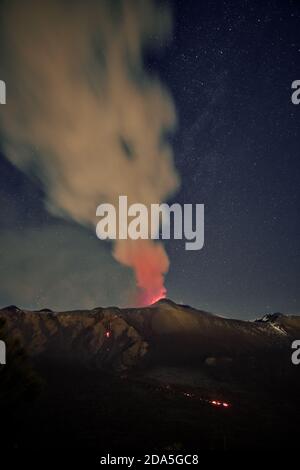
(229, 68)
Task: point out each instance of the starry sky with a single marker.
(229, 67)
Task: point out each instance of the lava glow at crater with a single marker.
(149, 297)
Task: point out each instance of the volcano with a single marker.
(115, 365)
(162, 333)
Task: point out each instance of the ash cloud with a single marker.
(82, 115)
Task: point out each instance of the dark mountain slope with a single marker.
(146, 380)
(164, 333)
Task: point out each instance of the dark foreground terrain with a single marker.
(166, 378)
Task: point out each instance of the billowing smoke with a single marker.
(82, 115)
(150, 262)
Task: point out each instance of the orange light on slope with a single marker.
(219, 403)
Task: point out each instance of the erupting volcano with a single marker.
(118, 144)
(145, 298)
(150, 263)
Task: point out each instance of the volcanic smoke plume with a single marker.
(84, 118)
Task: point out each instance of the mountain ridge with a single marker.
(163, 333)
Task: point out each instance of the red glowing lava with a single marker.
(156, 298)
(146, 298)
(219, 403)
